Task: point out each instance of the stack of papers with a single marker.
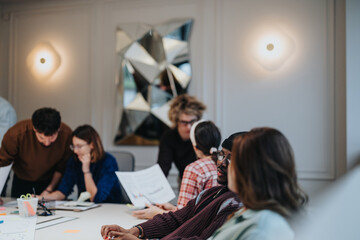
(148, 186)
(78, 204)
(75, 206)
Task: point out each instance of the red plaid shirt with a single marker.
(198, 176)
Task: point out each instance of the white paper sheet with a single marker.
(15, 227)
(146, 186)
(54, 221)
(4, 172)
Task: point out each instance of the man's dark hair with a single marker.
(46, 121)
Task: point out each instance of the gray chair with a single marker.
(125, 160)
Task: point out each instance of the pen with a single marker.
(34, 191)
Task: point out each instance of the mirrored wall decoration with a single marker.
(153, 67)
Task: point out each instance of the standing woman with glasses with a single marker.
(90, 168)
(201, 174)
(175, 145)
(262, 173)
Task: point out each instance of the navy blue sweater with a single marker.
(103, 173)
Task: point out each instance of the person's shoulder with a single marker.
(65, 128)
(212, 190)
(270, 223)
(269, 217)
(201, 163)
(6, 106)
(109, 160)
(169, 134)
(22, 127)
(194, 166)
(108, 156)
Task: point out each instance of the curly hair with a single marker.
(187, 105)
(264, 168)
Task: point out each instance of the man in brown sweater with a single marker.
(38, 149)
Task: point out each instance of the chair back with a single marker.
(125, 160)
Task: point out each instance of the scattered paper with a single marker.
(17, 228)
(78, 204)
(76, 207)
(71, 231)
(53, 221)
(4, 172)
(148, 186)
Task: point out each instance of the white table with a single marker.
(88, 223)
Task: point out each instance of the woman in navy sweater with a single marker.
(90, 168)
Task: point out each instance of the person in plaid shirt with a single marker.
(201, 174)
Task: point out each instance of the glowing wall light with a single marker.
(272, 48)
(43, 61)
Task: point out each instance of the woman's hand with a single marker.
(45, 194)
(85, 160)
(148, 212)
(167, 206)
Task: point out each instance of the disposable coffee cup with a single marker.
(27, 207)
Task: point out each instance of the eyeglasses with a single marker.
(73, 147)
(223, 156)
(185, 123)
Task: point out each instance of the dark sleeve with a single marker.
(68, 180)
(163, 224)
(218, 221)
(107, 179)
(61, 165)
(166, 154)
(9, 148)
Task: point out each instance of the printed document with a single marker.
(4, 172)
(14, 227)
(148, 186)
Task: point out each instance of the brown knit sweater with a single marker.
(32, 160)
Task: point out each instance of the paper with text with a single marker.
(146, 186)
(4, 172)
(15, 227)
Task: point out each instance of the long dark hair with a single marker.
(207, 136)
(264, 168)
(89, 135)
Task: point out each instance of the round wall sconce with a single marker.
(272, 48)
(43, 61)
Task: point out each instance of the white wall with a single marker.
(353, 81)
(299, 98)
(4, 54)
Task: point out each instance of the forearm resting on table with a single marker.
(153, 210)
(56, 195)
(90, 185)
